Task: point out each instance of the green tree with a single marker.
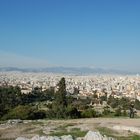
(61, 100)
(9, 98)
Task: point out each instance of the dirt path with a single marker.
(103, 121)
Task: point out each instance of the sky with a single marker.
(70, 33)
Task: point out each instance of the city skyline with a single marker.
(99, 34)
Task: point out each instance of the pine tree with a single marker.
(61, 94)
(60, 103)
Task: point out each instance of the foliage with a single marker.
(118, 112)
(24, 113)
(106, 110)
(107, 131)
(38, 96)
(103, 98)
(137, 104)
(88, 113)
(113, 102)
(9, 98)
(57, 104)
(75, 132)
(72, 112)
(60, 95)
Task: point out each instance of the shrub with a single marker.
(89, 113)
(118, 112)
(24, 113)
(137, 104)
(72, 112)
(106, 111)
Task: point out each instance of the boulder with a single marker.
(35, 137)
(21, 138)
(93, 136)
(43, 138)
(67, 137)
(96, 136)
(53, 138)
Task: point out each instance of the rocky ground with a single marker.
(89, 136)
(119, 128)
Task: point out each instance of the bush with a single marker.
(89, 113)
(137, 104)
(72, 112)
(50, 114)
(24, 113)
(125, 113)
(106, 111)
(118, 112)
(39, 114)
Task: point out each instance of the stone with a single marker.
(21, 138)
(93, 136)
(35, 137)
(96, 136)
(43, 138)
(67, 137)
(16, 121)
(53, 138)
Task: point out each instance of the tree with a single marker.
(76, 91)
(113, 102)
(9, 98)
(61, 100)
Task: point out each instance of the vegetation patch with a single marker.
(75, 132)
(39, 132)
(106, 131)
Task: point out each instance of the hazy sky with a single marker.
(94, 33)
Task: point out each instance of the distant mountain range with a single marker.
(67, 70)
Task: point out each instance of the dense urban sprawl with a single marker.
(117, 85)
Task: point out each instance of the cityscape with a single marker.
(116, 85)
(69, 70)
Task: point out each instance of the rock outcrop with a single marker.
(96, 136)
(89, 136)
